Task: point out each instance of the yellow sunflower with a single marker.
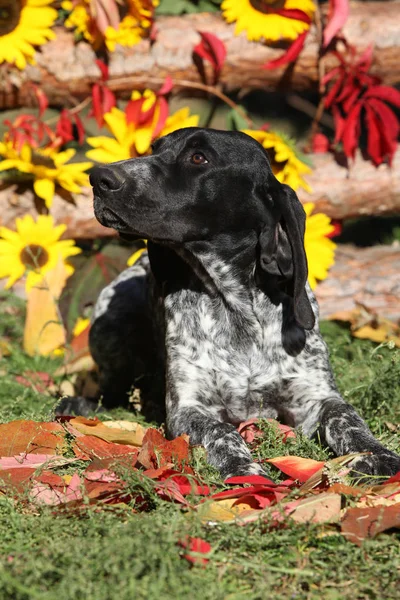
(132, 140)
(133, 26)
(23, 25)
(287, 166)
(320, 250)
(136, 21)
(34, 248)
(47, 167)
(260, 18)
(81, 21)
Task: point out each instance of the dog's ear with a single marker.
(282, 251)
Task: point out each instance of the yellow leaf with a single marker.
(120, 434)
(44, 331)
(223, 510)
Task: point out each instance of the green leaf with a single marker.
(92, 274)
(180, 7)
(235, 120)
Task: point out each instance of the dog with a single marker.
(219, 318)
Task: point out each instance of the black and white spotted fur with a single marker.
(223, 324)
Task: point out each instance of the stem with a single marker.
(72, 111)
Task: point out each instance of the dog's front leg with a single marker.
(339, 426)
(226, 450)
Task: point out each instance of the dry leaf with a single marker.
(223, 510)
(98, 429)
(366, 324)
(322, 508)
(44, 330)
(31, 437)
(361, 523)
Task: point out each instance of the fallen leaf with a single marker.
(157, 451)
(44, 330)
(197, 550)
(221, 511)
(97, 428)
(37, 380)
(297, 467)
(365, 323)
(31, 437)
(322, 508)
(361, 523)
(34, 461)
(88, 446)
(44, 494)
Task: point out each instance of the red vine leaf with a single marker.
(338, 15)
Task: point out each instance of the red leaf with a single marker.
(251, 479)
(166, 87)
(133, 109)
(320, 143)
(294, 466)
(163, 114)
(103, 100)
(293, 13)
(64, 127)
(384, 92)
(351, 131)
(339, 123)
(212, 49)
(365, 61)
(41, 98)
(290, 55)
(338, 15)
(374, 145)
(393, 478)
(37, 380)
(103, 68)
(337, 229)
(80, 129)
(195, 546)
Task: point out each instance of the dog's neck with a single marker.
(225, 265)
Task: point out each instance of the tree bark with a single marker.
(370, 276)
(342, 194)
(66, 70)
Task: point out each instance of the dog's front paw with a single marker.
(243, 470)
(373, 468)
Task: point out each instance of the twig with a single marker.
(314, 112)
(72, 111)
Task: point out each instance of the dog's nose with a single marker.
(106, 179)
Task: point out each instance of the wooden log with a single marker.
(66, 70)
(342, 194)
(370, 276)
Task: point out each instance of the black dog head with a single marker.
(200, 183)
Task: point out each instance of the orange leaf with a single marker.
(158, 452)
(44, 330)
(31, 437)
(294, 466)
(361, 523)
(88, 446)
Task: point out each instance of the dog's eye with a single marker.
(198, 159)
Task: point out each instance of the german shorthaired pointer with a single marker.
(224, 314)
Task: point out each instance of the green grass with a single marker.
(121, 554)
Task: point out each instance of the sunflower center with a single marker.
(42, 161)
(34, 256)
(10, 12)
(268, 6)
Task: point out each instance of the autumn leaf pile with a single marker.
(75, 463)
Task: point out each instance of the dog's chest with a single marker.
(233, 359)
